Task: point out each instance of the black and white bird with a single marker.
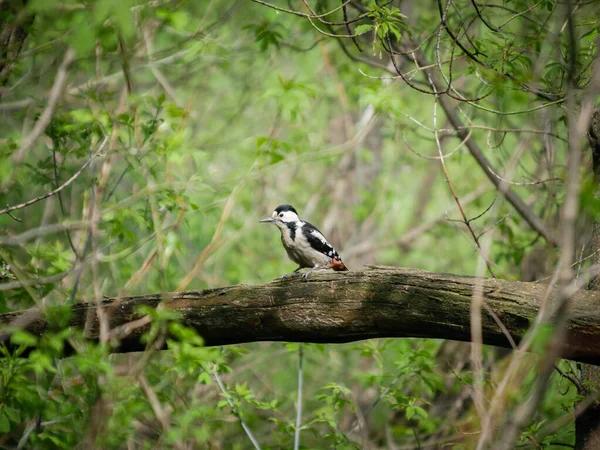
(304, 244)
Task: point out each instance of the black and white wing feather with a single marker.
(318, 242)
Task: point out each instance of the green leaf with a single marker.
(362, 29)
(420, 412)
(4, 423)
(12, 414)
(22, 337)
(410, 412)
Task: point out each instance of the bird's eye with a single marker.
(280, 214)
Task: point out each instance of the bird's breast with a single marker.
(299, 249)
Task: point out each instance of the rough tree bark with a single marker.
(343, 307)
(587, 425)
(14, 24)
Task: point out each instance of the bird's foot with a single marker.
(285, 276)
(308, 272)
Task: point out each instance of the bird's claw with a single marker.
(307, 273)
(286, 276)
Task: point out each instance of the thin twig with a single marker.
(159, 411)
(13, 217)
(381, 395)
(36, 281)
(212, 244)
(60, 188)
(299, 407)
(60, 200)
(40, 231)
(227, 395)
(522, 183)
(410, 236)
(450, 185)
(55, 94)
(559, 314)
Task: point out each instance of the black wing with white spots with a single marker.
(318, 242)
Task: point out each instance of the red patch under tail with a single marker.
(338, 265)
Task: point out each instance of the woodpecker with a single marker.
(303, 242)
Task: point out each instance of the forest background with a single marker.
(141, 142)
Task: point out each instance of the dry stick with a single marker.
(512, 197)
(345, 12)
(60, 200)
(431, 158)
(157, 408)
(487, 420)
(497, 400)
(477, 334)
(299, 407)
(485, 22)
(564, 270)
(510, 19)
(525, 211)
(60, 188)
(409, 237)
(476, 318)
(345, 22)
(55, 94)
(381, 395)
(126, 329)
(295, 13)
(37, 281)
(212, 244)
(451, 186)
(94, 221)
(523, 183)
(95, 213)
(214, 241)
(476, 327)
(40, 231)
(163, 81)
(227, 396)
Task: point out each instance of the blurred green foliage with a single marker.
(205, 116)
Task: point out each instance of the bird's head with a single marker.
(282, 215)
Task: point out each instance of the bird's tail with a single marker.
(338, 265)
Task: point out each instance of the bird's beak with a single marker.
(268, 219)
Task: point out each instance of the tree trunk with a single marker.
(342, 307)
(14, 24)
(587, 425)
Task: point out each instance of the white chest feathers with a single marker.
(298, 246)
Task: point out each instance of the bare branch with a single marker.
(58, 189)
(55, 94)
(299, 405)
(235, 411)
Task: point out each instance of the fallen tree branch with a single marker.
(335, 307)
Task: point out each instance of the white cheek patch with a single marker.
(288, 216)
